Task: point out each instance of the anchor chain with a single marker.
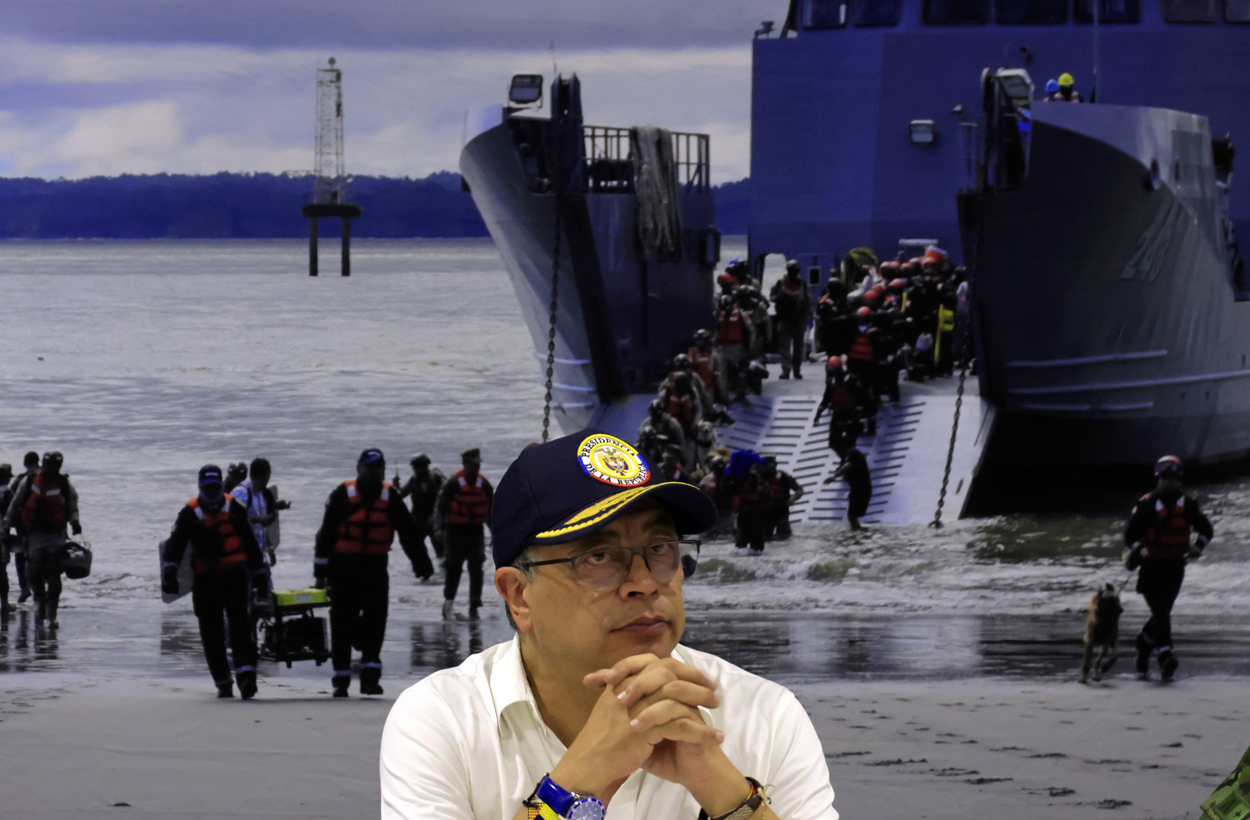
(551, 330)
(936, 523)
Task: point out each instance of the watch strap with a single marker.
(556, 796)
(746, 808)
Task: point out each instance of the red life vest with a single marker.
(231, 545)
(45, 503)
(681, 408)
(702, 361)
(729, 329)
(470, 505)
(366, 529)
(843, 398)
(862, 349)
(1169, 538)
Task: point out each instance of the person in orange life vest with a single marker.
(753, 504)
(17, 542)
(42, 506)
(705, 363)
(734, 336)
(1158, 536)
(462, 510)
(792, 303)
(363, 515)
(863, 361)
(785, 490)
(216, 528)
(842, 397)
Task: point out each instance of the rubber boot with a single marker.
(247, 685)
(40, 610)
(473, 614)
(225, 689)
(340, 682)
(6, 607)
(21, 599)
(1143, 657)
(1167, 662)
(449, 610)
(370, 674)
(50, 611)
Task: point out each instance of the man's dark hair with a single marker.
(260, 465)
(31, 459)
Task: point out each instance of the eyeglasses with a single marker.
(608, 567)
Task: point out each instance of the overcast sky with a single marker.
(198, 86)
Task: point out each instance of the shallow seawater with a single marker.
(141, 361)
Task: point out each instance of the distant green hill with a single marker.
(247, 206)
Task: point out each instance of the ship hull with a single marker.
(1107, 326)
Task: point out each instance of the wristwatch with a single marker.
(567, 804)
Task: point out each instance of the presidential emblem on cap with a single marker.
(612, 461)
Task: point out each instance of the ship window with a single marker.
(818, 14)
(1109, 11)
(880, 12)
(957, 12)
(1190, 11)
(1237, 11)
(1035, 12)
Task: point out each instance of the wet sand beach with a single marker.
(79, 749)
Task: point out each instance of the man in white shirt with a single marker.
(594, 710)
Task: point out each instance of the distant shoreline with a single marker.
(257, 206)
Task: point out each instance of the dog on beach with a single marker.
(1102, 630)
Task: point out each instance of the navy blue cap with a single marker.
(370, 456)
(568, 488)
(210, 474)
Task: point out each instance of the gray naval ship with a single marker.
(1111, 308)
(608, 237)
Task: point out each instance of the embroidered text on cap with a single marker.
(612, 461)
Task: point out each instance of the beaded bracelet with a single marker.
(744, 809)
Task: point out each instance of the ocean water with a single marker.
(141, 361)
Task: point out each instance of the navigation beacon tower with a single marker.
(330, 180)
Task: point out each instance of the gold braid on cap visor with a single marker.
(600, 510)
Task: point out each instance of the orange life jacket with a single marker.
(682, 408)
(366, 529)
(862, 350)
(45, 503)
(702, 361)
(470, 505)
(1169, 538)
(231, 545)
(729, 329)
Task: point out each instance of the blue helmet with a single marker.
(1051, 86)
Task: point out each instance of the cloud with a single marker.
(395, 24)
(208, 108)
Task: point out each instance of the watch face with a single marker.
(587, 808)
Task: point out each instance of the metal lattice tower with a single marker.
(331, 181)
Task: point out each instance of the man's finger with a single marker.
(680, 691)
(685, 730)
(620, 671)
(661, 712)
(660, 674)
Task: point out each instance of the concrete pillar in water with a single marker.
(347, 246)
(312, 247)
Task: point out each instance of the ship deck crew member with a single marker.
(1066, 91)
(753, 504)
(6, 496)
(1159, 539)
(594, 702)
(705, 363)
(362, 518)
(216, 528)
(17, 543)
(462, 511)
(422, 487)
(42, 506)
(733, 341)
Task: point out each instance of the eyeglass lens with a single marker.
(609, 567)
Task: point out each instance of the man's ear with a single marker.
(512, 584)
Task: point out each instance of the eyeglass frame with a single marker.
(687, 569)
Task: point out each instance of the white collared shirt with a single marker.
(469, 743)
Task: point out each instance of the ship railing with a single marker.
(609, 165)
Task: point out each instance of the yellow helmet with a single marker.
(1066, 79)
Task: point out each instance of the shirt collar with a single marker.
(508, 684)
